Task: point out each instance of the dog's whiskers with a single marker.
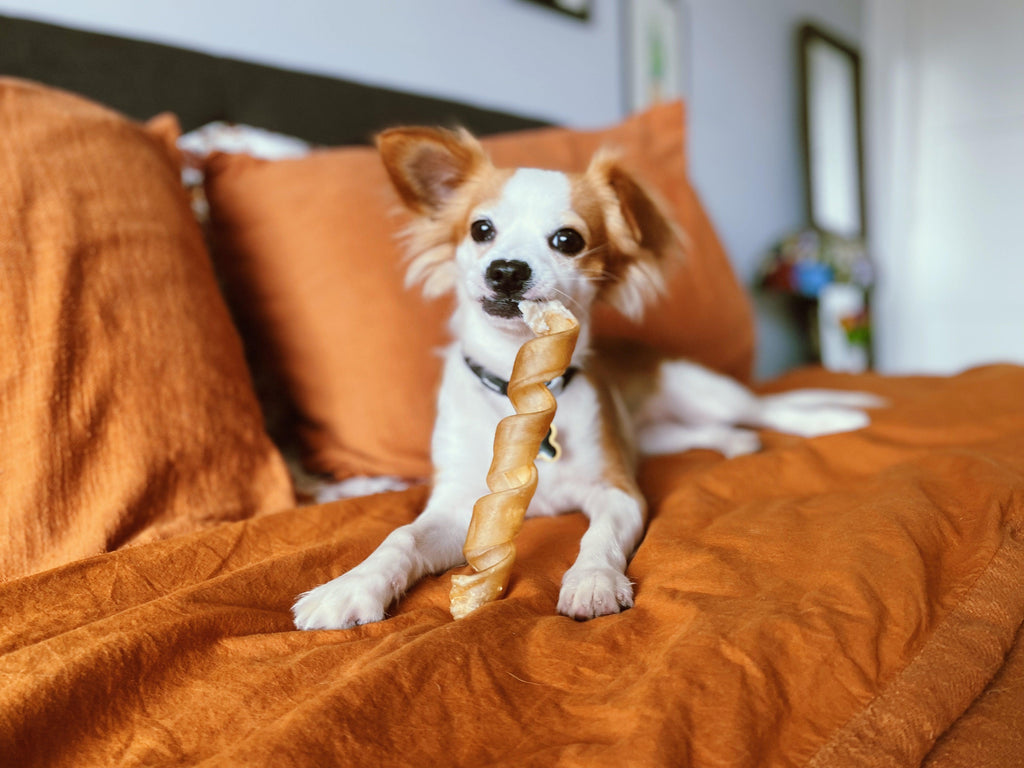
(568, 299)
(590, 276)
(592, 251)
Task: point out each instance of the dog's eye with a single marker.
(567, 241)
(482, 230)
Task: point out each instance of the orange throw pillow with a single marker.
(126, 410)
(310, 253)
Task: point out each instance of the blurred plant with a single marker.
(806, 261)
(858, 328)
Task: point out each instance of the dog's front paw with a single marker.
(591, 592)
(347, 601)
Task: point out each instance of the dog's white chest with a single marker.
(562, 484)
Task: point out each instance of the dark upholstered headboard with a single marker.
(142, 79)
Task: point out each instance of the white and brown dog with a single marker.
(498, 237)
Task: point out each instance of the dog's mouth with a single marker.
(505, 307)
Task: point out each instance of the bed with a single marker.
(852, 600)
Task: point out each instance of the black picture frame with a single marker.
(579, 10)
(810, 36)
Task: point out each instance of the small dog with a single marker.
(499, 237)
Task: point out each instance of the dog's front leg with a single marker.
(596, 584)
(430, 544)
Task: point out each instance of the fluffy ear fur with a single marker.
(644, 242)
(427, 165)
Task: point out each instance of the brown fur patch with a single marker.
(619, 462)
(428, 165)
(642, 241)
(441, 176)
(431, 241)
(587, 203)
(631, 369)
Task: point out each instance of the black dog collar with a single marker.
(550, 450)
(497, 384)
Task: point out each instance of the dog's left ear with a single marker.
(427, 165)
(644, 242)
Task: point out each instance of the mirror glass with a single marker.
(832, 121)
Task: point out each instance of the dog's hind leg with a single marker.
(672, 437)
(693, 397)
(813, 412)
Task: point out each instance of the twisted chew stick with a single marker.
(512, 478)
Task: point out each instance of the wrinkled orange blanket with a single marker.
(848, 600)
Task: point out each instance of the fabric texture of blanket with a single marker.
(830, 602)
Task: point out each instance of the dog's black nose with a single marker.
(507, 278)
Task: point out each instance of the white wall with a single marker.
(745, 148)
(505, 54)
(947, 163)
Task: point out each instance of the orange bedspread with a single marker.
(848, 600)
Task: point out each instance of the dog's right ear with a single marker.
(427, 165)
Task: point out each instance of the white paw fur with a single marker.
(591, 592)
(351, 599)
